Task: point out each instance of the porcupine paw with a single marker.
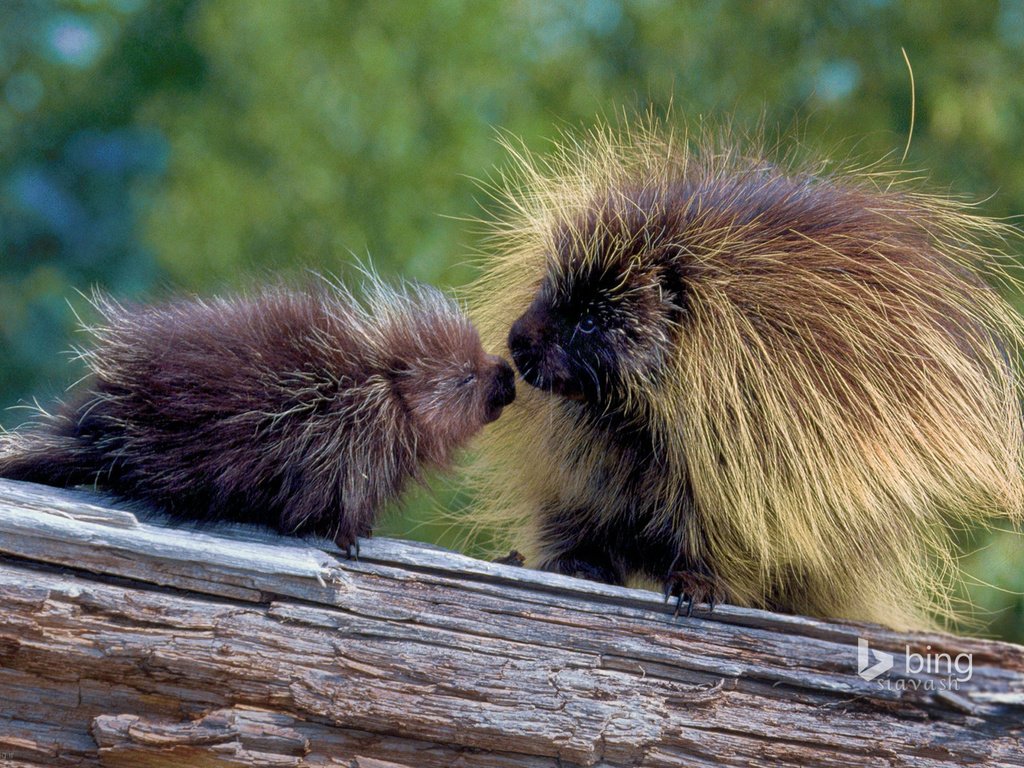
(693, 587)
(514, 557)
(348, 542)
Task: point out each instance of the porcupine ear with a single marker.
(396, 366)
(672, 280)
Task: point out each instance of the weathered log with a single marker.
(128, 643)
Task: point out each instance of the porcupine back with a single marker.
(840, 386)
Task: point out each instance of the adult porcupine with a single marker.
(750, 375)
(303, 410)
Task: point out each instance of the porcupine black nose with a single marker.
(522, 345)
(502, 390)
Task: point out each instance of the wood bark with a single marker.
(128, 643)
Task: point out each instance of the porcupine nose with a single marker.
(502, 390)
(521, 345)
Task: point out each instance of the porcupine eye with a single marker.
(587, 325)
(591, 362)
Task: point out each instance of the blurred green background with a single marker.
(149, 147)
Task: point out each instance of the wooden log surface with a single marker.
(127, 643)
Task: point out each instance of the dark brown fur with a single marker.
(305, 411)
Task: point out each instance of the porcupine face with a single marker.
(607, 310)
(449, 384)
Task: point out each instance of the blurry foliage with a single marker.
(148, 146)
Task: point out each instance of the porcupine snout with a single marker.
(524, 343)
(502, 388)
(541, 361)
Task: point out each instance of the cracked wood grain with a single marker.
(130, 643)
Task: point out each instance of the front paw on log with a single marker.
(693, 587)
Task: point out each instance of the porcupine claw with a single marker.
(348, 541)
(348, 544)
(693, 587)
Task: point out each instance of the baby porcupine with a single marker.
(302, 410)
(750, 379)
